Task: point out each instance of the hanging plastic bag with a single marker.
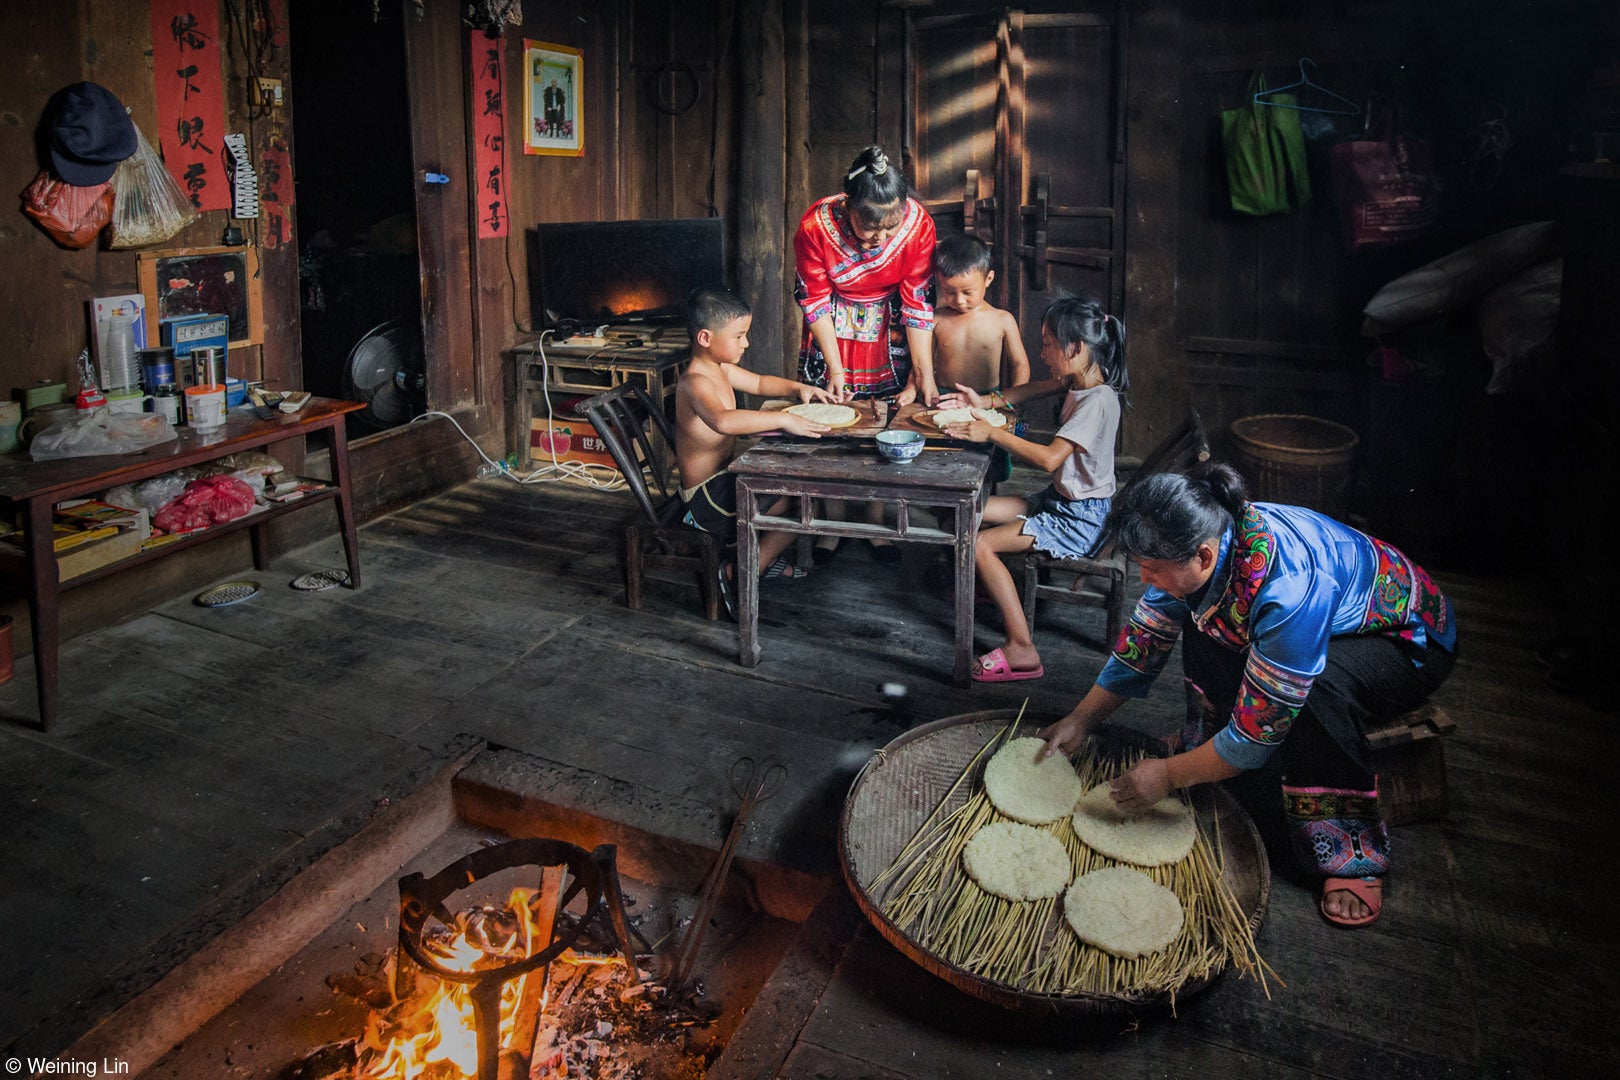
(72, 216)
(1385, 185)
(101, 431)
(1265, 154)
(150, 207)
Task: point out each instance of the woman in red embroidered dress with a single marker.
(864, 259)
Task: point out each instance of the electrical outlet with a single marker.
(270, 93)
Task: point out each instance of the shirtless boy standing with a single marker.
(707, 423)
(975, 343)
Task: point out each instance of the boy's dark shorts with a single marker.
(713, 507)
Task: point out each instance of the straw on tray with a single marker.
(1027, 945)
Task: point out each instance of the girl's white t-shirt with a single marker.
(1090, 420)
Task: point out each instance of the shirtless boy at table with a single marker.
(975, 343)
(707, 423)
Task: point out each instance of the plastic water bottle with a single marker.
(489, 470)
(120, 366)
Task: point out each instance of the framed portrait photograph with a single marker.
(553, 118)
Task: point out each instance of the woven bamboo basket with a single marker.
(894, 794)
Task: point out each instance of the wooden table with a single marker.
(35, 487)
(951, 480)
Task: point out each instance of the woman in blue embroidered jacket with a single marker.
(1299, 632)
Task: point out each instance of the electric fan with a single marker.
(385, 370)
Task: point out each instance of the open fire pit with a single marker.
(529, 958)
(468, 992)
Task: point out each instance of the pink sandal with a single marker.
(993, 667)
(1369, 890)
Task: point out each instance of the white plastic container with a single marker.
(205, 407)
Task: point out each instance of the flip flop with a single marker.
(993, 667)
(728, 591)
(782, 572)
(1369, 890)
(825, 555)
(884, 554)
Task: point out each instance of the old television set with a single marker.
(590, 273)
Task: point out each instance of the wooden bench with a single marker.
(1408, 754)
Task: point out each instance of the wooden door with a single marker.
(1015, 133)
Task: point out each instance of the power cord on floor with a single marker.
(598, 477)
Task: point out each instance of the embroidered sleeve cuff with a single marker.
(812, 313)
(1239, 752)
(1121, 679)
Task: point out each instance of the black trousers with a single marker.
(1328, 810)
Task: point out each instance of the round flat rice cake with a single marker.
(834, 416)
(945, 417)
(1029, 788)
(1164, 834)
(1123, 912)
(1017, 862)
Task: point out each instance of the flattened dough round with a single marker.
(944, 417)
(1029, 788)
(834, 416)
(1162, 835)
(1122, 912)
(1017, 862)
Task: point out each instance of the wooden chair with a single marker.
(1099, 577)
(657, 539)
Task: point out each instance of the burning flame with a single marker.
(441, 1028)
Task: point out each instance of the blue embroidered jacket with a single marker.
(1287, 579)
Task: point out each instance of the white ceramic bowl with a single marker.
(900, 446)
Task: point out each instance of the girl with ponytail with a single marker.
(1299, 634)
(1084, 350)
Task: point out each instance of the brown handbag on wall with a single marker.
(1386, 187)
(73, 216)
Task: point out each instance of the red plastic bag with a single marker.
(71, 215)
(212, 500)
(1386, 189)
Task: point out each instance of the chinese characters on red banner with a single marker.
(489, 131)
(191, 98)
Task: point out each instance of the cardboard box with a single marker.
(97, 553)
(573, 440)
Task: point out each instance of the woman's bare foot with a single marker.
(1344, 904)
(1352, 901)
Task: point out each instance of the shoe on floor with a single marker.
(993, 667)
(824, 555)
(782, 572)
(885, 554)
(728, 590)
(1369, 890)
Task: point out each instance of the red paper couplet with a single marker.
(489, 132)
(191, 98)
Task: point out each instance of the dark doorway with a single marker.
(359, 271)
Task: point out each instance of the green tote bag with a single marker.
(1265, 154)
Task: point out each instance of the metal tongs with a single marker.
(753, 784)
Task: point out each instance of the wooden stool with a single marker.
(1408, 754)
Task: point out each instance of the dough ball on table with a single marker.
(1123, 912)
(1029, 788)
(1017, 862)
(1164, 834)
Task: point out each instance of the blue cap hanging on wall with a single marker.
(87, 133)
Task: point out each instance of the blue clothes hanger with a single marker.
(1262, 97)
